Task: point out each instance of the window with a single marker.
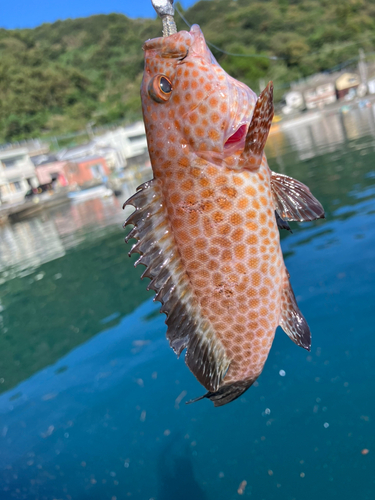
(135, 138)
(97, 171)
(15, 186)
(11, 162)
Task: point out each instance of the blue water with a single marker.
(93, 402)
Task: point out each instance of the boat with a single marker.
(89, 193)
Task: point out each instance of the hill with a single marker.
(58, 77)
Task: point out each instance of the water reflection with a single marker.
(316, 133)
(28, 244)
(90, 387)
(32, 242)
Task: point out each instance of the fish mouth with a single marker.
(237, 140)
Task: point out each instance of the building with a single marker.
(50, 170)
(294, 100)
(135, 144)
(312, 93)
(346, 84)
(17, 175)
(320, 95)
(122, 147)
(86, 171)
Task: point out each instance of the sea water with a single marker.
(93, 399)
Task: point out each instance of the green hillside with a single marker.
(58, 77)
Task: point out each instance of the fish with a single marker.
(207, 223)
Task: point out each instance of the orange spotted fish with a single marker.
(205, 224)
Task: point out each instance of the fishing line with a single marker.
(272, 58)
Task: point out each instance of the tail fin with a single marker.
(226, 393)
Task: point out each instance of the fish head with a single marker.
(190, 102)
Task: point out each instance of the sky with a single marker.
(31, 13)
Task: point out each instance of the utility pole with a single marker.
(362, 67)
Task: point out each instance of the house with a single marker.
(314, 92)
(129, 142)
(320, 95)
(136, 144)
(50, 170)
(347, 83)
(122, 147)
(93, 148)
(17, 175)
(294, 100)
(89, 170)
(319, 91)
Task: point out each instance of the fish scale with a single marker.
(206, 225)
(234, 261)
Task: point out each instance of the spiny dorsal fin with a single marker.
(258, 131)
(158, 251)
(292, 321)
(293, 200)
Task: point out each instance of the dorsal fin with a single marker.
(256, 137)
(205, 355)
(292, 320)
(293, 200)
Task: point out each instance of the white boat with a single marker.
(93, 192)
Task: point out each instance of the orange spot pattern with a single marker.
(222, 220)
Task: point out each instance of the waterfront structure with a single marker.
(89, 170)
(294, 100)
(122, 147)
(50, 170)
(347, 83)
(17, 175)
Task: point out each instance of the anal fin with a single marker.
(281, 223)
(292, 320)
(187, 329)
(293, 200)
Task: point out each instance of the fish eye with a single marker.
(165, 85)
(160, 88)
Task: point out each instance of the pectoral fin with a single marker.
(257, 134)
(292, 321)
(293, 200)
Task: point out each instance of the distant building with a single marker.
(17, 175)
(346, 83)
(294, 100)
(122, 147)
(312, 93)
(50, 170)
(86, 171)
(92, 148)
(320, 95)
(135, 143)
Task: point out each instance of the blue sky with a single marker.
(31, 13)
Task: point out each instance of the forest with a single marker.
(58, 77)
